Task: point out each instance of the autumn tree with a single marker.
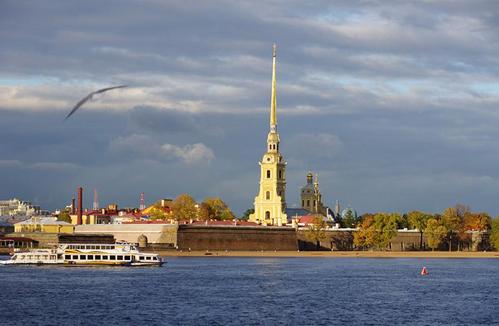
(184, 208)
(157, 213)
(218, 209)
(205, 212)
(364, 237)
(316, 231)
(377, 230)
(64, 216)
(418, 220)
(435, 232)
(494, 233)
(452, 220)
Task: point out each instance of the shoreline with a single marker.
(331, 254)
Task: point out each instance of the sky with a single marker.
(394, 104)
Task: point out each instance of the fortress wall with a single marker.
(157, 234)
(405, 240)
(236, 238)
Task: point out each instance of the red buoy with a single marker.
(424, 271)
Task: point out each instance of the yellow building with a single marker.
(43, 224)
(92, 217)
(270, 203)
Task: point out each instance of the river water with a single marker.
(256, 291)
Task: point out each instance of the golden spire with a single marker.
(273, 101)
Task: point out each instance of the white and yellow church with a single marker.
(270, 203)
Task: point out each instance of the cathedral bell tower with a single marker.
(270, 203)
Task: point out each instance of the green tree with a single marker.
(452, 219)
(435, 232)
(418, 221)
(385, 226)
(219, 209)
(64, 216)
(494, 233)
(247, 213)
(349, 220)
(316, 231)
(184, 208)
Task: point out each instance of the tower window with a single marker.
(280, 174)
(314, 202)
(268, 174)
(267, 195)
(270, 147)
(308, 202)
(267, 215)
(302, 203)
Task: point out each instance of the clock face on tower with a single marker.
(268, 159)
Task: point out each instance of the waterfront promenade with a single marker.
(332, 254)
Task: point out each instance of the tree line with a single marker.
(452, 227)
(185, 208)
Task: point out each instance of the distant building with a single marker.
(17, 207)
(102, 216)
(311, 198)
(43, 224)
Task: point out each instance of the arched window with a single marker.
(270, 147)
(302, 203)
(267, 215)
(267, 195)
(308, 202)
(314, 203)
(280, 174)
(268, 174)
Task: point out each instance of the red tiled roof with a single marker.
(243, 223)
(307, 219)
(147, 222)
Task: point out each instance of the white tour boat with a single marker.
(118, 254)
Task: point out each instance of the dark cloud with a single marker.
(393, 104)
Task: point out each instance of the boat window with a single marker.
(148, 258)
(155, 258)
(97, 257)
(67, 257)
(127, 257)
(75, 256)
(120, 257)
(90, 257)
(105, 257)
(83, 257)
(141, 257)
(113, 257)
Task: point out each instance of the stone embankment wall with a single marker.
(157, 234)
(195, 237)
(45, 240)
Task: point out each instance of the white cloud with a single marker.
(147, 146)
(190, 153)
